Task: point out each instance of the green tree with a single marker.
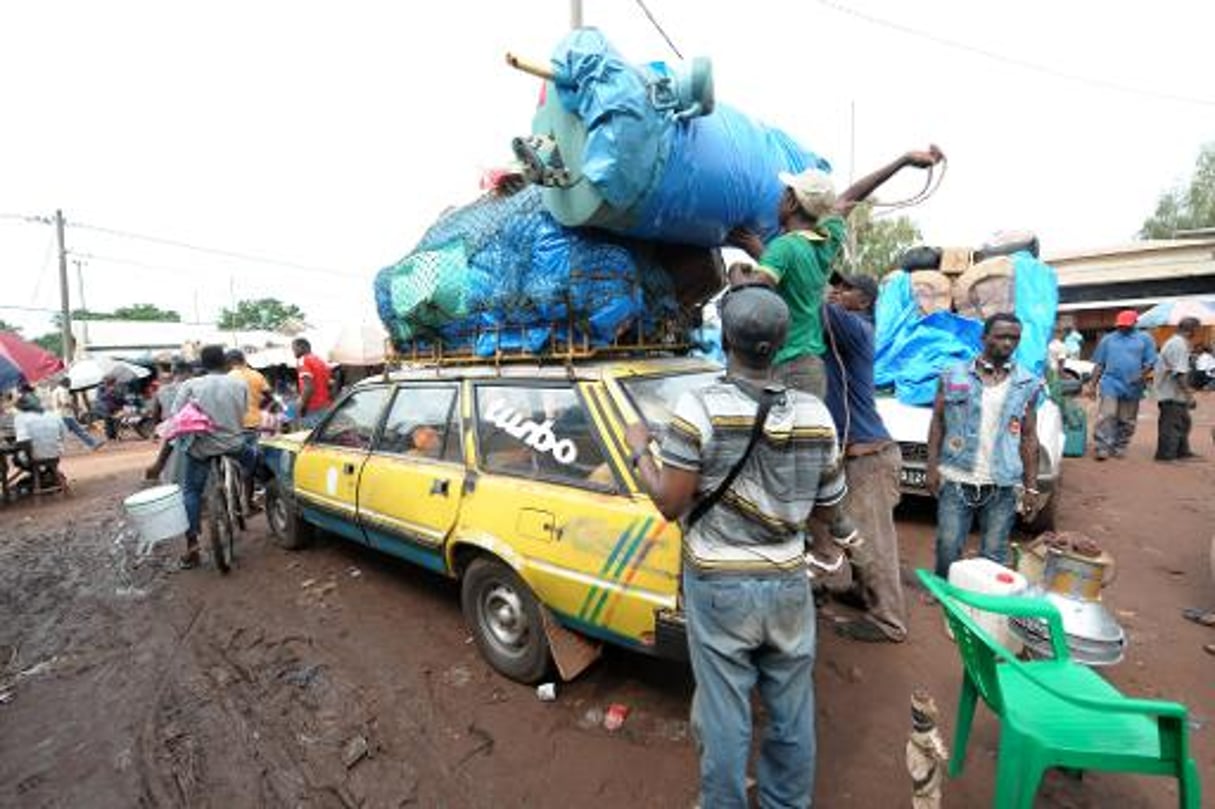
(146, 311)
(6, 326)
(136, 311)
(262, 313)
(52, 342)
(876, 244)
(1186, 208)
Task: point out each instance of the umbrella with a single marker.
(1171, 313)
(88, 373)
(23, 360)
(360, 344)
(267, 357)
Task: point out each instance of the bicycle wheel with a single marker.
(234, 488)
(219, 521)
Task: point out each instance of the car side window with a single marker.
(352, 424)
(543, 431)
(419, 422)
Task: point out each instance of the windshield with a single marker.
(655, 396)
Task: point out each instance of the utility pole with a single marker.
(65, 310)
(575, 14)
(84, 324)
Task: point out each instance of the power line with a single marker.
(658, 27)
(215, 251)
(1095, 81)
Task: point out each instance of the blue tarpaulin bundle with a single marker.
(659, 176)
(912, 349)
(501, 274)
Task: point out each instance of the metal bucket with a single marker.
(1075, 576)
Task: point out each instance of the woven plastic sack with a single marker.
(687, 181)
(501, 274)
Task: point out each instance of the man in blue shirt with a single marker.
(1121, 358)
(871, 459)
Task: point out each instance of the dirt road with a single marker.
(335, 677)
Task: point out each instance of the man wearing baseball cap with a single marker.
(1121, 359)
(745, 487)
(798, 262)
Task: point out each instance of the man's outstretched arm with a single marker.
(861, 190)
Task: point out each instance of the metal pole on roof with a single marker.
(65, 306)
(575, 14)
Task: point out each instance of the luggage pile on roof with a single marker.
(606, 233)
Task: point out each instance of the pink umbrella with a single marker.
(23, 360)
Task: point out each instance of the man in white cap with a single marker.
(798, 262)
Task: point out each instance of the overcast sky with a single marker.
(330, 135)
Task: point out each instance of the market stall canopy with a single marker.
(269, 357)
(360, 344)
(1170, 313)
(21, 360)
(89, 372)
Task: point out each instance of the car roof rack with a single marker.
(566, 345)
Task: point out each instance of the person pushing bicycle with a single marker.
(225, 400)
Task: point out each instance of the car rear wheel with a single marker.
(505, 620)
(289, 529)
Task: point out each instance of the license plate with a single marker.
(913, 478)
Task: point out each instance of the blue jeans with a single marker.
(77, 429)
(744, 632)
(957, 506)
(194, 484)
(193, 487)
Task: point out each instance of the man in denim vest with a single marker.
(983, 446)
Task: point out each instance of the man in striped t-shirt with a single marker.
(746, 595)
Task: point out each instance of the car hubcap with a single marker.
(504, 617)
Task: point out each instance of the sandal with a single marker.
(189, 560)
(1199, 616)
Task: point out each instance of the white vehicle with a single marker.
(908, 425)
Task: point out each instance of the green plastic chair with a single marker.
(1055, 713)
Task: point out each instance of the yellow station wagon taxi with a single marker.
(514, 479)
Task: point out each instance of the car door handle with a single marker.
(348, 469)
(440, 486)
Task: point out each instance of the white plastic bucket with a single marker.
(159, 513)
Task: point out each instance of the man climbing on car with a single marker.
(798, 262)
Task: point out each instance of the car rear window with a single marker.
(654, 397)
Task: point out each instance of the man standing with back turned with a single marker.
(798, 262)
(982, 445)
(1121, 358)
(746, 594)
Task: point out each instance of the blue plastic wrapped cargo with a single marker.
(643, 171)
(502, 275)
(912, 349)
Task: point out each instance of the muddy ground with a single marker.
(335, 677)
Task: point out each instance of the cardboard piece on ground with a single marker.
(573, 653)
